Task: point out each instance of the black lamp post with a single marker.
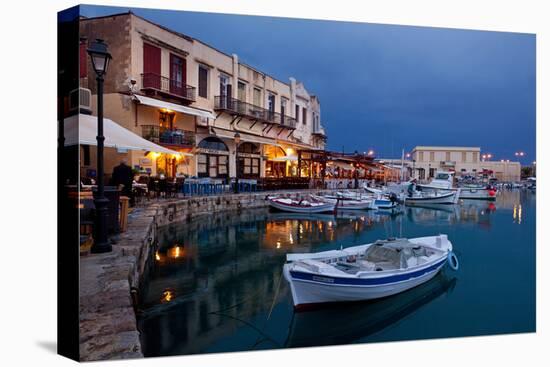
(100, 61)
(237, 139)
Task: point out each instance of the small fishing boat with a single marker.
(345, 203)
(379, 269)
(478, 192)
(301, 206)
(383, 203)
(433, 197)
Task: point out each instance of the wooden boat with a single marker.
(301, 206)
(432, 197)
(345, 203)
(379, 269)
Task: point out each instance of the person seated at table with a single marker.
(123, 175)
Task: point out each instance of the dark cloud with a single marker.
(388, 87)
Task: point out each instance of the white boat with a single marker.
(346, 203)
(433, 197)
(477, 192)
(301, 206)
(379, 269)
(382, 202)
(443, 180)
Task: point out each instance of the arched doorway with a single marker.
(212, 158)
(248, 160)
(276, 161)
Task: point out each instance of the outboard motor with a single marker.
(393, 197)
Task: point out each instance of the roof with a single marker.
(446, 148)
(188, 38)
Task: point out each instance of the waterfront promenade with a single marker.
(109, 281)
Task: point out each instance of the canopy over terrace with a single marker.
(82, 129)
(326, 164)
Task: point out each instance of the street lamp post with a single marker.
(100, 61)
(237, 139)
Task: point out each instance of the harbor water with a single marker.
(215, 283)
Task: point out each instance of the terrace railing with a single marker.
(155, 82)
(175, 137)
(251, 111)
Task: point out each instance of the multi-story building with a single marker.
(181, 93)
(426, 161)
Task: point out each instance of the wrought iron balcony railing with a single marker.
(251, 111)
(158, 83)
(162, 135)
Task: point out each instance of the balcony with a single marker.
(156, 84)
(235, 106)
(164, 136)
(319, 131)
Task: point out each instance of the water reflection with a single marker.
(215, 284)
(363, 318)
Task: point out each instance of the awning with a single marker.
(289, 158)
(175, 107)
(82, 129)
(230, 134)
(298, 145)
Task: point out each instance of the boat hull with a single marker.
(477, 194)
(328, 207)
(449, 198)
(310, 288)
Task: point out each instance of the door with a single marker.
(151, 67)
(177, 75)
(271, 106)
(225, 92)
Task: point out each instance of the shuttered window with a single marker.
(297, 114)
(304, 115)
(203, 82)
(151, 59)
(83, 61)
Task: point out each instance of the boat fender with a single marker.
(452, 260)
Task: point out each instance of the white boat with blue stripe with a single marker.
(379, 269)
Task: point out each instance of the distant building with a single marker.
(426, 160)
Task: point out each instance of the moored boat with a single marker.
(433, 197)
(345, 203)
(478, 192)
(380, 269)
(301, 206)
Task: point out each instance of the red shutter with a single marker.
(151, 67)
(83, 60)
(151, 59)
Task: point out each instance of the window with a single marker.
(257, 97)
(304, 115)
(283, 105)
(432, 172)
(213, 144)
(83, 60)
(203, 82)
(86, 154)
(271, 102)
(447, 156)
(241, 91)
(475, 157)
(202, 163)
(297, 113)
(463, 157)
(177, 75)
(420, 156)
(432, 156)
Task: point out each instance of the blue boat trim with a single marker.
(298, 275)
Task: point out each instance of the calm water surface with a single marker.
(215, 284)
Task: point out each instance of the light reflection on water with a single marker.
(215, 284)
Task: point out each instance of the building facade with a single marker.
(426, 160)
(181, 93)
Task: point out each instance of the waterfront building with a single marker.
(426, 160)
(182, 93)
